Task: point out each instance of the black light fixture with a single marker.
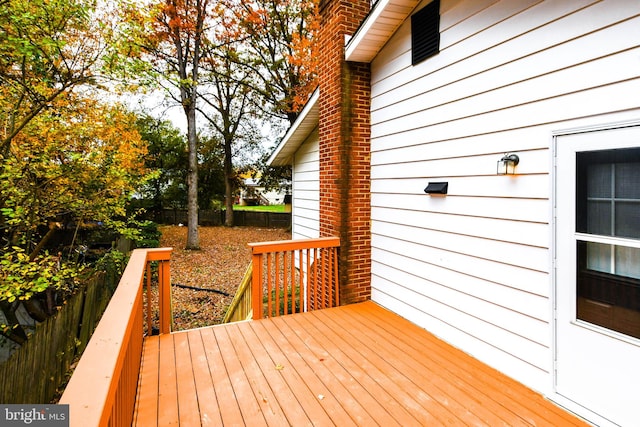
(507, 164)
(437, 188)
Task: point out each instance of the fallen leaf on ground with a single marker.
(220, 265)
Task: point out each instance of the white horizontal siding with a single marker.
(502, 208)
(474, 266)
(306, 190)
(490, 322)
(525, 233)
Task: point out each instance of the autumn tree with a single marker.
(211, 176)
(164, 48)
(228, 104)
(167, 161)
(50, 51)
(280, 38)
(47, 47)
(76, 161)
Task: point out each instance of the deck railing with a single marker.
(240, 307)
(294, 276)
(102, 389)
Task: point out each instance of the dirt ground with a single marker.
(219, 265)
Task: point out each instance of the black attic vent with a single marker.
(425, 32)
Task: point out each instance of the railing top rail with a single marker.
(292, 245)
(91, 389)
(157, 254)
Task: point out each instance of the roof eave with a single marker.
(376, 30)
(306, 122)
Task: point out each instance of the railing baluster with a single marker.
(277, 284)
(285, 286)
(301, 281)
(149, 305)
(314, 280)
(269, 285)
(256, 286)
(323, 257)
(164, 292)
(315, 261)
(336, 278)
(309, 277)
(292, 271)
(329, 286)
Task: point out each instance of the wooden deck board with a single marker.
(355, 372)
(441, 390)
(226, 399)
(167, 383)
(321, 406)
(269, 389)
(447, 384)
(303, 403)
(319, 375)
(207, 401)
(513, 397)
(147, 404)
(352, 365)
(189, 412)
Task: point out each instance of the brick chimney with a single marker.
(344, 128)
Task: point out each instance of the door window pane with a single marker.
(599, 257)
(628, 181)
(599, 218)
(628, 219)
(599, 180)
(627, 262)
(608, 204)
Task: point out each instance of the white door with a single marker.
(598, 272)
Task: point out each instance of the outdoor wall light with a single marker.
(507, 164)
(437, 188)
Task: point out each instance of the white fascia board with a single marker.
(297, 133)
(384, 19)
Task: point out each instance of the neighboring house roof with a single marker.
(377, 29)
(297, 133)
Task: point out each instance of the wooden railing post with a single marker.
(164, 288)
(256, 286)
(164, 302)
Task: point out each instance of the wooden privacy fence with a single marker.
(215, 217)
(294, 276)
(102, 389)
(35, 371)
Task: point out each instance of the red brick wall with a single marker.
(344, 128)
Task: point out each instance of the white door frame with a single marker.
(559, 398)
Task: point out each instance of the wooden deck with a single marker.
(352, 365)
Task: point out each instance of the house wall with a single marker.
(475, 266)
(306, 194)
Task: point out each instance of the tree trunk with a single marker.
(228, 183)
(193, 239)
